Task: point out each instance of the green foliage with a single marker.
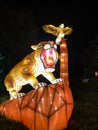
(1, 65)
(4, 97)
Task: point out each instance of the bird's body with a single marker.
(59, 31)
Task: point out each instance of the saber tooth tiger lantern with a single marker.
(48, 107)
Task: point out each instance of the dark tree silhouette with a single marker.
(90, 57)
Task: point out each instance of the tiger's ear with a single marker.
(34, 47)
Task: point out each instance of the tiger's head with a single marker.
(47, 52)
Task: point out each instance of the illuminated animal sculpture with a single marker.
(59, 31)
(46, 108)
(40, 62)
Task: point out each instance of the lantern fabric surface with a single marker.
(46, 108)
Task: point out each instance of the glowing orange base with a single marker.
(47, 108)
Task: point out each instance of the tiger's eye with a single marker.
(47, 46)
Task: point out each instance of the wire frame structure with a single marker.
(46, 108)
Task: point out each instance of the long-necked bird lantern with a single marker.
(59, 31)
(48, 106)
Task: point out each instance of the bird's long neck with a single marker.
(64, 61)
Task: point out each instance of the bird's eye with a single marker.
(55, 46)
(47, 46)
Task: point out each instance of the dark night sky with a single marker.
(81, 15)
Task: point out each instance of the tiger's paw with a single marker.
(18, 95)
(42, 84)
(58, 80)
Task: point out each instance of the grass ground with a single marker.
(85, 112)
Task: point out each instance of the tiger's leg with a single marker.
(50, 76)
(12, 87)
(32, 80)
(14, 93)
